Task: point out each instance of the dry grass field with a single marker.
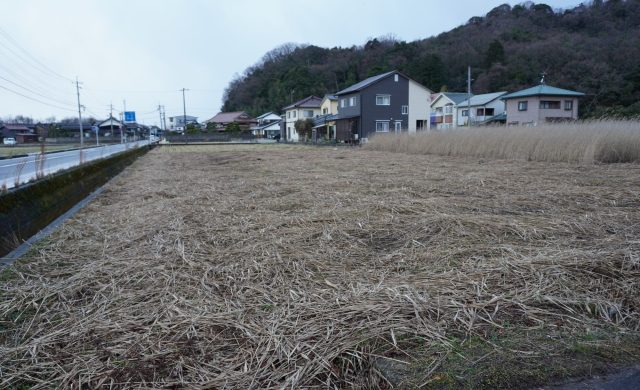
(237, 267)
(602, 141)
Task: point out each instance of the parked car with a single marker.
(10, 141)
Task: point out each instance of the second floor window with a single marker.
(325, 111)
(383, 100)
(343, 103)
(295, 113)
(308, 113)
(448, 109)
(289, 115)
(549, 104)
(568, 105)
(405, 110)
(523, 106)
(353, 101)
(465, 112)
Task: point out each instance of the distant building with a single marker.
(484, 108)
(177, 123)
(268, 125)
(541, 104)
(9, 130)
(307, 108)
(325, 124)
(223, 119)
(444, 109)
(389, 102)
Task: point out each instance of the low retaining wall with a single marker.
(29, 208)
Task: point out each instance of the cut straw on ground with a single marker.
(249, 267)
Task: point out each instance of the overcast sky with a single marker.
(144, 51)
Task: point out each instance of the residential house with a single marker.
(387, 102)
(178, 123)
(325, 124)
(13, 130)
(540, 104)
(444, 109)
(110, 127)
(224, 119)
(307, 108)
(267, 126)
(484, 108)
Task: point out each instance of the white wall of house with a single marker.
(294, 114)
(498, 106)
(419, 105)
(445, 108)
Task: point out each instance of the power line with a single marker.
(34, 92)
(38, 85)
(35, 100)
(44, 68)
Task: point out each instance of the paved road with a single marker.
(23, 169)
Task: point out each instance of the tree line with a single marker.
(592, 48)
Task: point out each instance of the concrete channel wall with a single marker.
(29, 208)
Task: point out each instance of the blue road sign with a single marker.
(129, 116)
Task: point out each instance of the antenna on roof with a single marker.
(543, 75)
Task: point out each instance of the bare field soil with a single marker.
(286, 267)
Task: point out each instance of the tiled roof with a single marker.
(455, 97)
(364, 83)
(228, 117)
(481, 100)
(542, 90)
(308, 102)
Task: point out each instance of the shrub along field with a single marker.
(287, 267)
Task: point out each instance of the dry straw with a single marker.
(287, 268)
(606, 141)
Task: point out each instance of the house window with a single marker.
(480, 112)
(295, 113)
(523, 106)
(382, 126)
(353, 101)
(325, 111)
(288, 114)
(549, 105)
(489, 111)
(307, 113)
(448, 109)
(383, 100)
(405, 110)
(465, 112)
(568, 105)
(395, 78)
(398, 126)
(438, 110)
(343, 103)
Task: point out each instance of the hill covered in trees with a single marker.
(592, 48)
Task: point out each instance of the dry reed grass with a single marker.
(606, 141)
(288, 268)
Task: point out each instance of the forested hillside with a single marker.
(592, 48)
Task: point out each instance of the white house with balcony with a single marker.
(307, 108)
(444, 109)
(481, 109)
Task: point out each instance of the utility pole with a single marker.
(80, 117)
(160, 113)
(164, 119)
(184, 111)
(124, 109)
(468, 96)
(111, 118)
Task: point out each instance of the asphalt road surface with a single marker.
(21, 170)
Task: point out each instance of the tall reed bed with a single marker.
(604, 141)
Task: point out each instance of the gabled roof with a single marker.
(228, 117)
(109, 122)
(364, 83)
(481, 100)
(333, 98)
(266, 114)
(14, 127)
(267, 125)
(542, 90)
(308, 102)
(454, 97)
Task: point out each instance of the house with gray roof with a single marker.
(540, 104)
(380, 104)
(444, 109)
(307, 108)
(481, 109)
